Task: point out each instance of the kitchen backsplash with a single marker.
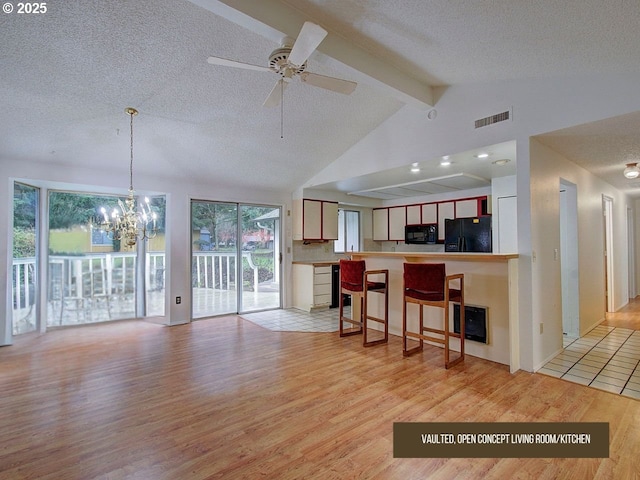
(322, 252)
(403, 247)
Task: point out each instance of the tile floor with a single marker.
(607, 358)
(294, 320)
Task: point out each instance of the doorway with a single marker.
(569, 259)
(236, 258)
(632, 253)
(607, 210)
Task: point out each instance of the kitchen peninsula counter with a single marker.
(458, 256)
(490, 280)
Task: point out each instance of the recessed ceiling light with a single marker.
(415, 168)
(502, 161)
(445, 163)
(482, 155)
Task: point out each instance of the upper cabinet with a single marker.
(315, 220)
(467, 208)
(397, 221)
(389, 222)
(381, 224)
(446, 210)
(329, 220)
(414, 215)
(429, 213)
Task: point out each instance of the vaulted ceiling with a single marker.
(67, 75)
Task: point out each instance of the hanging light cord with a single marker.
(281, 108)
(131, 162)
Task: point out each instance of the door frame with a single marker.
(569, 260)
(607, 211)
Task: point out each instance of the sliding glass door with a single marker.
(235, 258)
(261, 255)
(214, 266)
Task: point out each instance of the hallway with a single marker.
(607, 358)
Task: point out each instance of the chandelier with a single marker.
(128, 223)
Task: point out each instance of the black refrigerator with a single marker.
(467, 235)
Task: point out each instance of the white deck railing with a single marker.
(92, 275)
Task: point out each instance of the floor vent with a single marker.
(497, 118)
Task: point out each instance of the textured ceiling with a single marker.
(602, 148)
(67, 75)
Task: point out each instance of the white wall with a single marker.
(178, 216)
(547, 170)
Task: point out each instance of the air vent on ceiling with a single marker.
(497, 118)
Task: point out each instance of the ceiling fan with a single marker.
(290, 61)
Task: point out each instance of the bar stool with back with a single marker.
(426, 284)
(358, 282)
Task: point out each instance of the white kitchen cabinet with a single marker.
(311, 219)
(381, 224)
(397, 222)
(389, 222)
(315, 220)
(467, 208)
(329, 221)
(311, 286)
(445, 210)
(429, 213)
(414, 216)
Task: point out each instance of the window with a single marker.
(348, 231)
(25, 258)
(92, 277)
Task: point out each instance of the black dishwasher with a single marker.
(335, 286)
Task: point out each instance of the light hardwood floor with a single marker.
(626, 317)
(224, 398)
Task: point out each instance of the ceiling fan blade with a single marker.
(275, 97)
(310, 37)
(232, 63)
(330, 83)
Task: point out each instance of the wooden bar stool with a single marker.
(426, 284)
(353, 279)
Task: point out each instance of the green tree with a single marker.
(25, 206)
(220, 219)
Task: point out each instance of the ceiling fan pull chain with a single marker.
(281, 109)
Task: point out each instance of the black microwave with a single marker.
(421, 234)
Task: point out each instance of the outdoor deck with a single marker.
(206, 303)
(101, 287)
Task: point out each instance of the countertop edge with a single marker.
(484, 257)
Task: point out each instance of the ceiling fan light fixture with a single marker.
(631, 171)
